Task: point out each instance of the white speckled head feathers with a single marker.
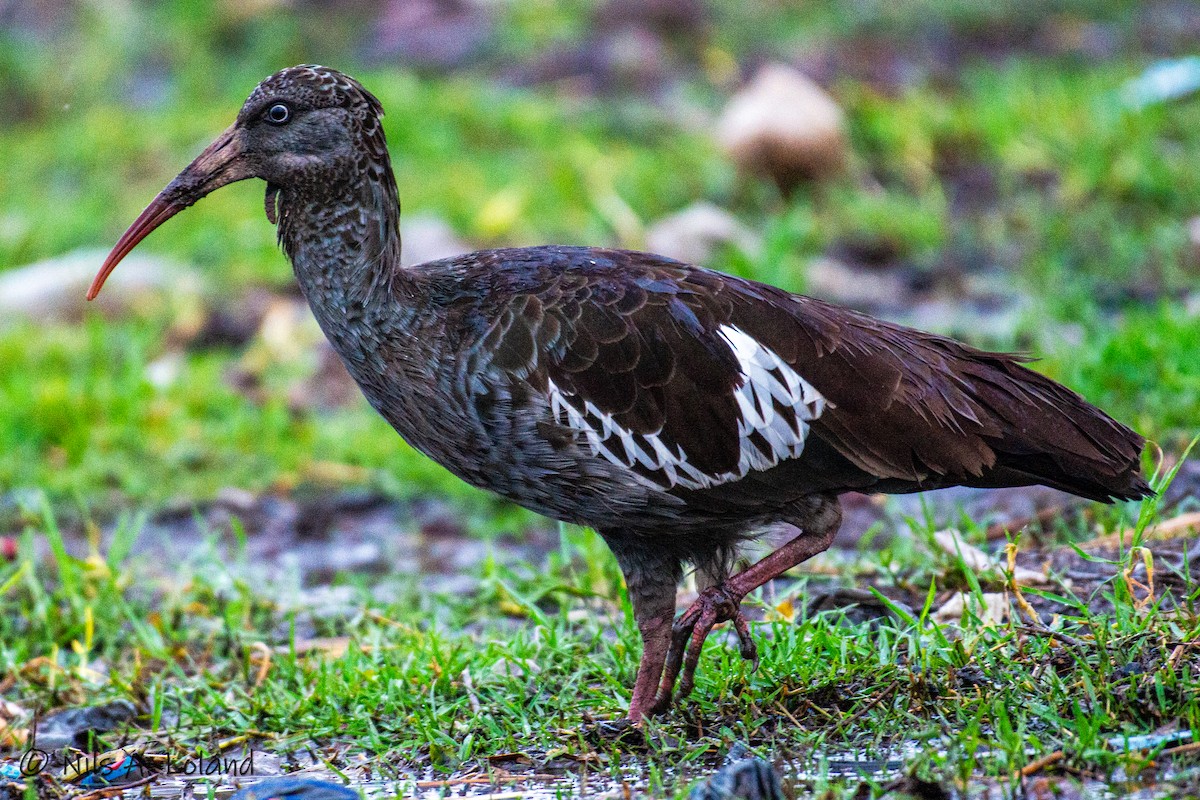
(310, 86)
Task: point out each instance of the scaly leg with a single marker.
(651, 579)
(722, 603)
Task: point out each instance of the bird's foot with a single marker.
(715, 604)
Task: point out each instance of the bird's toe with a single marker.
(746, 646)
(695, 647)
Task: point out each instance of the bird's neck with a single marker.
(343, 240)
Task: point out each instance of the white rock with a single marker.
(830, 279)
(53, 290)
(784, 125)
(976, 560)
(953, 544)
(1191, 304)
(695, 233)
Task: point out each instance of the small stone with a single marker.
(741, 779)
(1165, 80)
(830, 279)
(695, 233)
(238, 501)
(512, 668)
(449, 585)
(990, 608)
(264, 763)
(71, 727)
(783, 125)
(164, 370)
(359, 557)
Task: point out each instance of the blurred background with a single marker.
(1023, 175)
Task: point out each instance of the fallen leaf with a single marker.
(332, 646)
(992, 610)
(976, 560)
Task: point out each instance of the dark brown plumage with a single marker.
(676, 410)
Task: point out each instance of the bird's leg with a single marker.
(656, 641)
(651, 579)
(722, 602)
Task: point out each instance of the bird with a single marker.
(677, 411)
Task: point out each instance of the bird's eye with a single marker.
(278, 114)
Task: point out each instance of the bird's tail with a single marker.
(1056, 438)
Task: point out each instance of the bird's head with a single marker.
(305, 129)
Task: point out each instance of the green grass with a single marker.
(982, 702)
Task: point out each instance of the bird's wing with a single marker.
(692, 379)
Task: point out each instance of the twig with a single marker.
(1036, 766)
(1010, 550)
(382, 620)
(1190, 747)
(469, 685)
(483, 780)
(1163, 530)
(264, 661)
(113, 791)
(1132, 583)
(1040, 631)
(1178, 652)
(814, 707)
(779, 707)
(241, 738)
(857, 715)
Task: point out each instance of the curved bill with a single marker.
(159, 211)
(220, 164)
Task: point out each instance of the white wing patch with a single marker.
(775, 406)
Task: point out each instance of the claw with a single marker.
(715, 605)
(681, 629)
(746, 645)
